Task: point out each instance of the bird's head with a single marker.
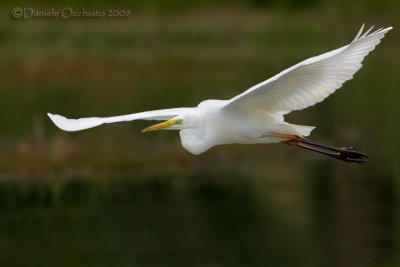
(180, 122)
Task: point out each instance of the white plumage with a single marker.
(72, 125)
(252, 116)
(311, 80)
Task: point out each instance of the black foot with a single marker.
(348, 154)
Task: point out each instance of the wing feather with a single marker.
(72, 125)
(311, 80)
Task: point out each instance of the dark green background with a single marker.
(112, 196)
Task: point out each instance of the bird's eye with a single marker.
(179, 121)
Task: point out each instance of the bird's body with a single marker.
(217, 126)
(257, 115)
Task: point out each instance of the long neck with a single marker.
(194, 140)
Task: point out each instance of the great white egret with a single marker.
(256, 115)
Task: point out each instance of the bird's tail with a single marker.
(300, 130)
(304, 130)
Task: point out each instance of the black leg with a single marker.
(349, 151)
(347, 154)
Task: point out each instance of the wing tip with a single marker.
(64, 123)
(359, 32)
(58, 120)
(361, 35)
(388, 28)
(73, 125)
(385, 30)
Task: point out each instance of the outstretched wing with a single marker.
(72, 125)
(309, 81)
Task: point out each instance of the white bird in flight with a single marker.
(257, 115)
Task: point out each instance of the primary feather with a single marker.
(311, 80)
(72, 125)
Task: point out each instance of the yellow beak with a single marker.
(163, 125)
